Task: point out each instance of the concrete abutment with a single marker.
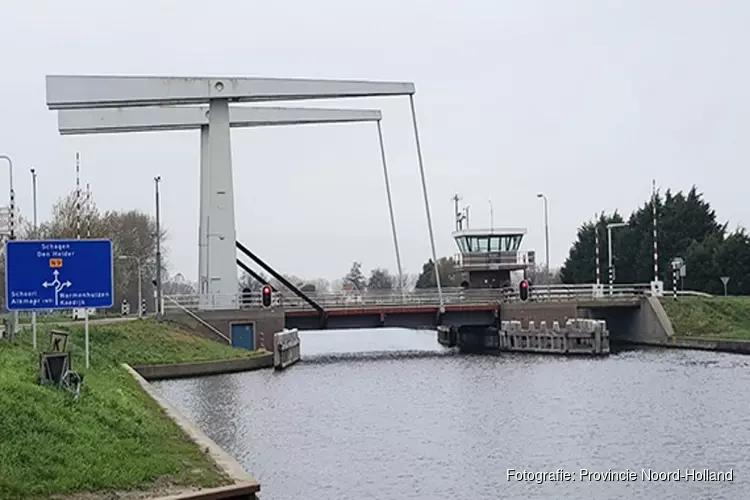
(645, 323)
(265, 323)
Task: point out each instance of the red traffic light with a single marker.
(523, 291)
(266, 298)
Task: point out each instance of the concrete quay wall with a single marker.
(203, 368)
(245, 487)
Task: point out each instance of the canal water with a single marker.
(391, 414)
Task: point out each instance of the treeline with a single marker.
(378, 279)
(133, 235)
(687, 227)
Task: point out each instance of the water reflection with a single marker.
(448, 426)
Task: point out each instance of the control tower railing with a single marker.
(491, 261)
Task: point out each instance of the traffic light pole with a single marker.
(609, 253)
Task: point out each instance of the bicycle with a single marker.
(71, 381)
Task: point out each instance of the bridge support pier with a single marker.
(218, 255)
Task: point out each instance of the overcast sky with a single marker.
(584, 100)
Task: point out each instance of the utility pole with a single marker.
(546, 233)
(598, 287)
(158, 251)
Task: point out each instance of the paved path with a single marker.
(92, 321)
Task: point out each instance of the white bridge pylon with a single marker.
(217, 260)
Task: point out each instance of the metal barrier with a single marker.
(424, 297)
(200, 320)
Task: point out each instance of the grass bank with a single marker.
(714, 317)
(114, 437)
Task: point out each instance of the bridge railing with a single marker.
(421, 297)
(194, 301)
(564, 292)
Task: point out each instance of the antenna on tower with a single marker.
(460, 216)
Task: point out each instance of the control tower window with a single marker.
(495, 244)
(516, 243)
(462, 246)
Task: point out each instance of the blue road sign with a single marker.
(58, 274)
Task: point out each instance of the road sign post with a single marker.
(725, 280)
(59, 274)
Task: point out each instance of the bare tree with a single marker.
(407, 282)
(133, 236)
(538, 275)
(178, 285)
(322, 285)
(72, 218)
(337, 285)
(250, 283)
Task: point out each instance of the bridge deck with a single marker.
(422, 303)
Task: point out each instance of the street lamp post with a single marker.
(546, 235)
(11, 227)
(158, 250)
(33, 197)
(140, 286)
(610, 226)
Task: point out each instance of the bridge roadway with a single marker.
(421, 308)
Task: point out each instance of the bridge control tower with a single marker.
(488, 256)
